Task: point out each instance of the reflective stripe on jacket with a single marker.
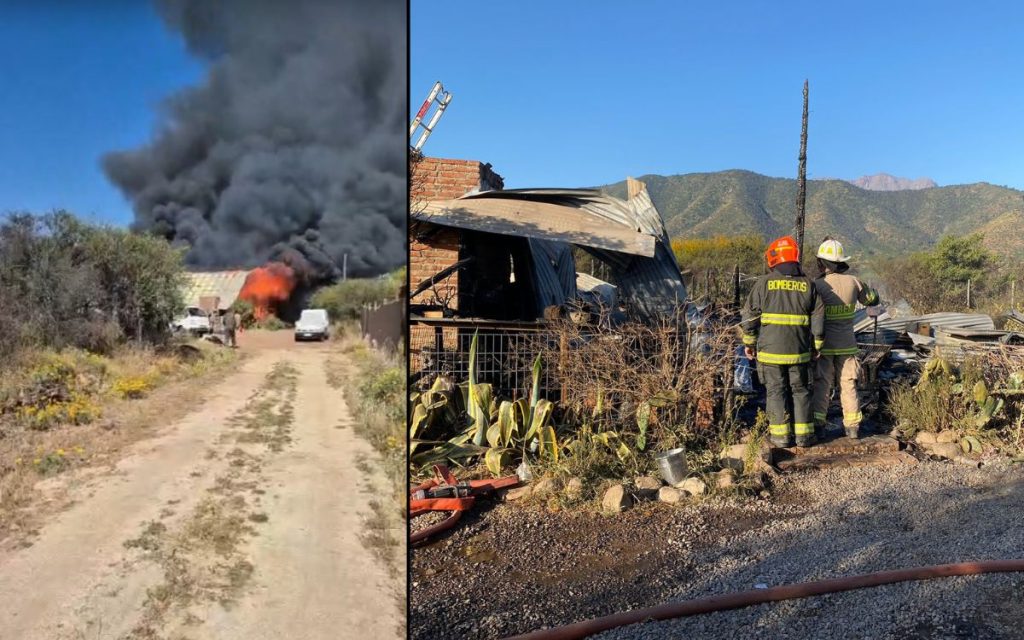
(782, 315)
(840, 292)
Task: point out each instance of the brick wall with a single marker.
(443, 179)
(427, 257)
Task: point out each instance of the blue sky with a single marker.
(576, 93)
(78, 80)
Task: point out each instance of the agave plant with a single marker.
(494, 430)
(478, 404)
(522, 424)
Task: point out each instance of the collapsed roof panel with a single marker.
(629, 236)
(566, 221)
(555, 272)
(890, 329)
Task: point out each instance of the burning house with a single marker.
(501, 263)
(213, 290)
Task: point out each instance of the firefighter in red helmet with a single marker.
(783, 329)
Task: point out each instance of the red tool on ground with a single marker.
(445, 493)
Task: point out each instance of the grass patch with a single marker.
(374, 383)
(60, 411)
(267, 418)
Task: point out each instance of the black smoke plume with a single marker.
(294, 146)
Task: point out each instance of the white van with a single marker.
(313, 324)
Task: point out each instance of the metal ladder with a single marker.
(442, 98)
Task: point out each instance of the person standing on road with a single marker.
(230, 325)
(783, 326)
(840, 293)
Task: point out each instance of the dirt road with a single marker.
(241, 520)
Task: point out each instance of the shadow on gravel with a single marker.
(902, 522)
(507, 570)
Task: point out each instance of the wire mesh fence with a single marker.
(505, 354)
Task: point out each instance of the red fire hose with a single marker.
(758, 596)
(445, 493)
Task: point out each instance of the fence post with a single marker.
(563, 355)
(736, 285)
(1013, 294)
(968, 293)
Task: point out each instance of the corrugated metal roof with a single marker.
(889, 329)
(555, 272)
(630, 236)
(225, 285)
(582, 218)
(651, 288)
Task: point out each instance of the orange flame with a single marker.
(268, 286)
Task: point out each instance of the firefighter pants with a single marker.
(788, 404)
(845, 369)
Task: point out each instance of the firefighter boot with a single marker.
(808, 440)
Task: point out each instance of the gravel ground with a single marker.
(510, 569)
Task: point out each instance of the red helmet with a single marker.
(782, 250)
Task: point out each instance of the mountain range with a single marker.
(871, 223)
(886, 182)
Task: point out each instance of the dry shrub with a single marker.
(680, 380)
(941, 403)
(935, 406)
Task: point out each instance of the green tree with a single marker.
(142, 278)
(957, 260)
(64, 282)
(345, 300)
(937, 279)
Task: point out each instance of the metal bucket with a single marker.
(672, 465)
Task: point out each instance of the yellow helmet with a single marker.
(832, 250)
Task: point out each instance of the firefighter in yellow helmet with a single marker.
(840, 292)
(783, 323)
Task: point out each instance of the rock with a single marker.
(647, 487)
(670, 495)
(756, 481)
(962, 459)
(944, 437)
(693, 486)
(616, 499)
(924, 438)
(734, 457)
(947, 450)
(574, 488)
(517, 493)
(547, 486)
(725, 479)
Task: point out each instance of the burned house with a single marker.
(500, 262)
